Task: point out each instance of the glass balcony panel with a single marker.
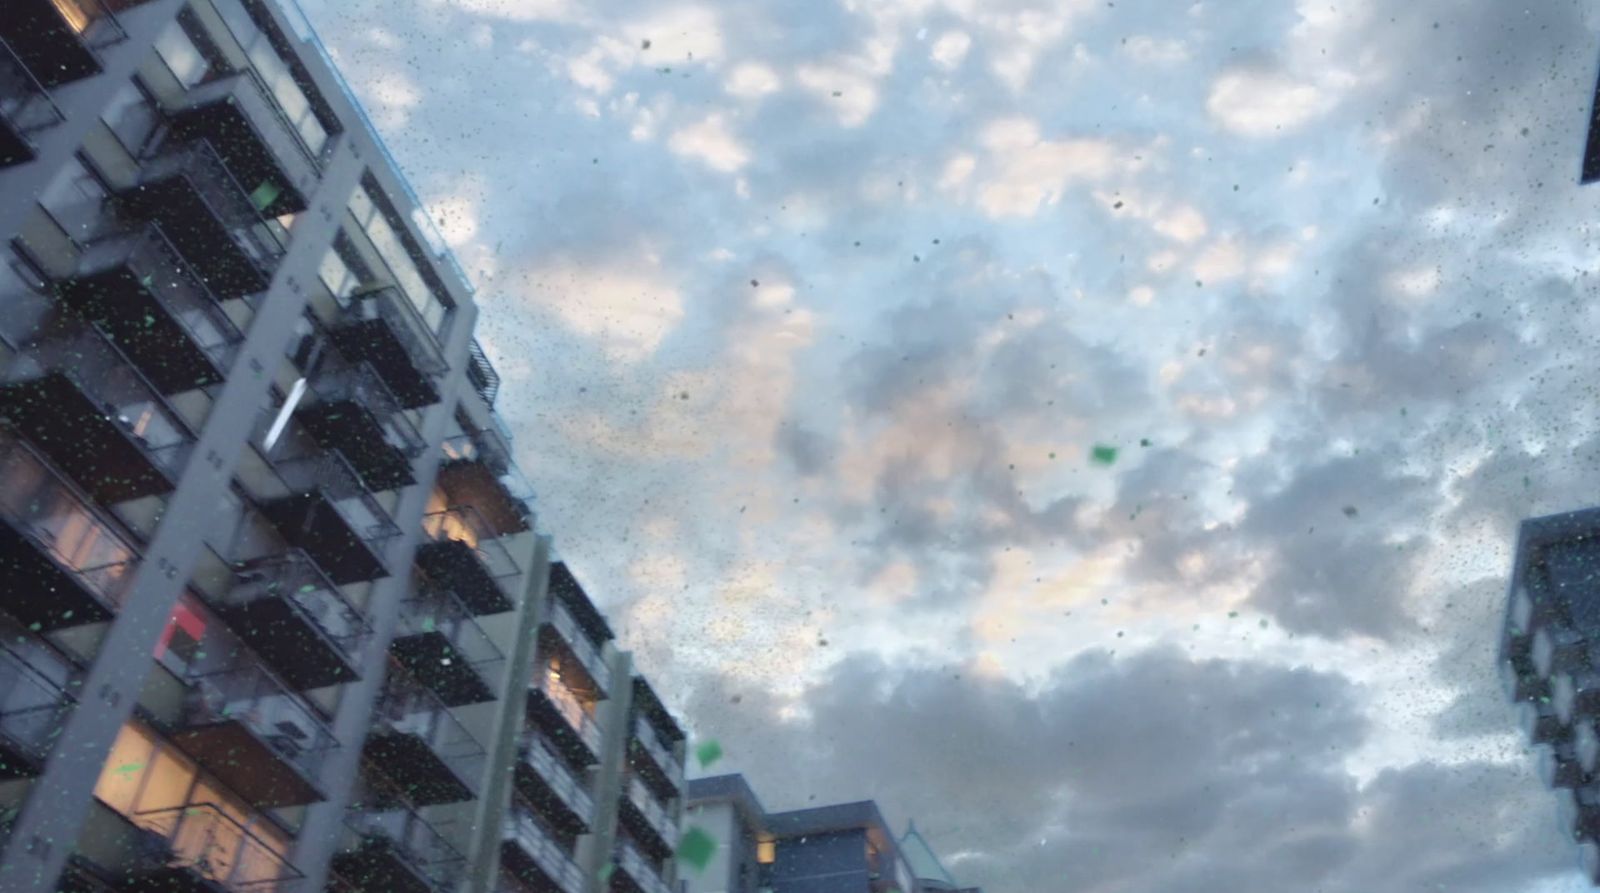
(263, 149)
(397, 850)
(25, 108)
(660, 754)
(479, 472)
(32, 710)
(645, 876)
(540, 771)
(330, 515)
(256, 735)
(445, 649)
(530, 849)
(206, 842)
(296, 618)
(578, 643)
(58, 39)
(417, 744)
(351, 409)
(383, 327)
(464, 555)
(656, 816)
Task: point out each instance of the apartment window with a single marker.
(766, 851)
(391, 246)
(182, 55)
(341, 271)
(276, 75)
(132, 117)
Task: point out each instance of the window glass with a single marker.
(124, 769)
(75, 200)
(391, 247)
(182, 57)
(132, 117)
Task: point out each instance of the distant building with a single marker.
(839, 848)
(1548, 659)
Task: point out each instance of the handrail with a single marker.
(252, 696)
(653, 811)
(566, 705)
(34, 93)
(464, 524)
(561, 618)
(205, 838)
(390, 304)
(646, 736)
(32, 706)
(360, 383)
(647, 877)
(482, 373)
(563, 780)
(439, 610)
(410, 708)
(296, 578)
(521, 827)
(162, 270)
(53, 514)
(331, 473)
(415, 841)
(198, 161)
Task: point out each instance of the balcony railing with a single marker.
(654, 813)
(90, 408)
(493, 449)
(383, 327)
(58, 39)
(32, 710)
(139, 288)
(570, 709)
(566, 784)
(332, 475)
(658, 751)
(187, 183)
(412, 840)
(206, 841)
(479, 471)
(80, 566)
(572, 634)
(481, 374)
(353, 410)
(440, 643)
(25, 105)
(421, 747)
(641, 870)
(523, 831)
(282, 732)
(466, 555)
(238, 114)
(314, 617)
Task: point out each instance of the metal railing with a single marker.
(654, 813)
(414, 841)
(23, 100)
(261, 239)
(331, 474)
(463, 524)
(390, 305)
(61, 522)
(112, 380)
(295, 578)
(203, 838)
(524, 830)
(250, 93)
(643, 872)
(251, 696)
(569, 708)
(480, 372)
(493, 449)
(561, 618)
(161, 270)
(536, 753)
(659, 752)
(361, 384)
(32, 706)
(439, 611)
(410, 708)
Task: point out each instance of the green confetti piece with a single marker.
(427, 624)
(128, 768)
(265, 195)
(605, 872)
(696, 848)
(1102, 454)
(708, 752)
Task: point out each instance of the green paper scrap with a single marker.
(708, 752)
(605, 872)
(1102, 454)
(265, 195)
(128, 768)
(427, 624)
(696, 847)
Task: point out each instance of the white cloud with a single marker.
(950, 50)
(1264, 102)
(1024, 171)
(752, 80)
(710, 142)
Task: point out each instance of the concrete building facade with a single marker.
(276, 614)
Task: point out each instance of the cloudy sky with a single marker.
(813, 312)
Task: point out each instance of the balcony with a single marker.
(82, 403)
(62, 564)
(383, 328)
(57, 39)
(255, 139)
(574, 641)
(444, 648)
(396, 851)
(332, 517)
(25, 109)
(209, 851)
(544, 780)
(564, 719)
(351, 410)
(290, 613)
(478, 471)
(462, 554)
(420, 747)
(32, 710)
(138, 290)
(636, 873)
(209, 216)
(530, 853)
(649, 821)
(249, 730)
(481, 374)
(662, 769)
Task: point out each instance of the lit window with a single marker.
(766, 851)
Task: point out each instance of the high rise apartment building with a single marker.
(275, 614)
